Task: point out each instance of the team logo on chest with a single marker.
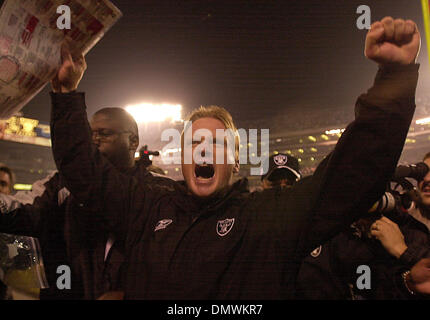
(316, 252)
(223, 227)
(162, 224)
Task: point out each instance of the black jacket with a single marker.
(240, 245)
(69, 235)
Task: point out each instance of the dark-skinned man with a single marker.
(69, 233)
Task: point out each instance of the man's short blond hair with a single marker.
(213, 112)
(218, 113)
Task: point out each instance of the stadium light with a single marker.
(22, 187)
(423, 121)
(148, 112)
(325, 137)
(173, 150)
(334, 131)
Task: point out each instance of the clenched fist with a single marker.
(392, 41)
(70, 73)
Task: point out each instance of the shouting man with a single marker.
(210, 238)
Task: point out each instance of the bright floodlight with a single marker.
(423, 121)
(148, 112)
(334, 131)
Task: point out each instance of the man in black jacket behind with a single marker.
(212, 241)
(70, 234)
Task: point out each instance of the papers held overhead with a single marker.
(30, 43)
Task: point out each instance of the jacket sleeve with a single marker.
(94, 182)
(413, 254)
(417, 239)
(391, 285)
(354, 176)
(28, 219)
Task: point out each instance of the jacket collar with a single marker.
(218, 202)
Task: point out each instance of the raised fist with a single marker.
(392, 41)
(70, 73)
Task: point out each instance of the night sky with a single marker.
(256, 58)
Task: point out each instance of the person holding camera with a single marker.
(420, 208)
(410, 281)
(386, 241)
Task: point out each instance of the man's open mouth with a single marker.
(205, 171)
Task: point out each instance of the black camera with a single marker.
(395, 201)
(144, 154)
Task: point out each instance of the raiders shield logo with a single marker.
(162, 224)
(224, 226)
(280, 160)
(316, 252)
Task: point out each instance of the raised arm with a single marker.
(90, 177)
(352, 178)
